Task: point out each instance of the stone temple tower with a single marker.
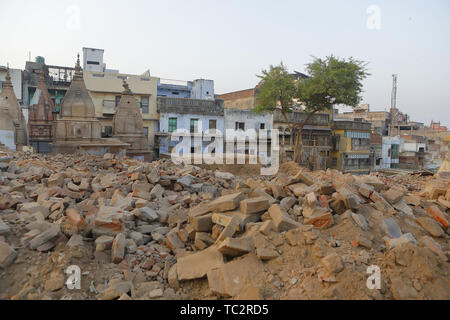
(41, 118)
(78, 129)
(128, 125)
(11, 117)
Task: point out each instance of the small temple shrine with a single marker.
(13, 130)
(128, 126)
(41, 118)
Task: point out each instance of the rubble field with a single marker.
(139, 230)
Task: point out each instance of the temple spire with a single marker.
(78, 71)
(7, 82)
(126, 87)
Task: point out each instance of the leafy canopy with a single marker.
(332, 81)
(278, 89)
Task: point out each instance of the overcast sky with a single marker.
(231, 41)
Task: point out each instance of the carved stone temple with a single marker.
(128, 126)
(13, 130)
(41, 118)
(78, 129)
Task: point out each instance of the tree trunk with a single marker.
(299, 134)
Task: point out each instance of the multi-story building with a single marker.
(57, 79)
(436, 126)
(390, 152)
(380, 120)
(351, 146)
(194, 116)
(106, 89)
(316, 138)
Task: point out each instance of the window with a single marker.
(144, 104)
(334, 163)
(107, 131)
(262, 126)
(175, 93)
(117, 100)
(213, 124)
(172, 124)
(240, 126)
(146, 131)
(194, 125)
(93, 62)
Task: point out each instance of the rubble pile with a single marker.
(157, 230)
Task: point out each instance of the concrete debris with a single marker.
(145, 230)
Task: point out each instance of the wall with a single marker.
(244, 99)
(202, 89)
(7, 138)
(412, 147)
(251, 119)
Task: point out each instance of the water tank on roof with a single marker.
(40, 59)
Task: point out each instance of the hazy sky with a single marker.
(231, 41)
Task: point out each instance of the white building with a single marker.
(93, 60)
(244, 119)
(202, 89)
(390, 152)
(194, 116)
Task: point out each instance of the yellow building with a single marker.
(106, 88)
(351, 151)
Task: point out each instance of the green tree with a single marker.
(332, 81)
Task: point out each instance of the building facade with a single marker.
(380, 120)
(316, 138)
(351, 146)
(390, 152)
(194, 116)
